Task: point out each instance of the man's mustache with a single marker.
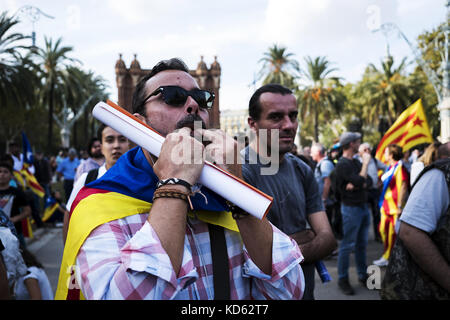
(189, 120)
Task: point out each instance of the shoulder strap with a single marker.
(443, 165)
(91, 176)
(219, 255)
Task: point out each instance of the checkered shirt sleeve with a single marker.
(124, 259)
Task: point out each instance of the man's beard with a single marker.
(97, 155)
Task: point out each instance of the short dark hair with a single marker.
(140, 94)
(90, 144)
(395, 151)
(254, 106)
(100, 129)
(6, 161)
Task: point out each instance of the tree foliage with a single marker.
(37, 84)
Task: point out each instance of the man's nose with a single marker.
(288, 123)
(191, 106)
(116, 144)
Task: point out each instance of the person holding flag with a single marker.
(392, 199)
(54, 209)
(33, 189)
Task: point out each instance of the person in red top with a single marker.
(392, 200)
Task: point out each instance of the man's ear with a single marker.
(140, 117)
(252, 123)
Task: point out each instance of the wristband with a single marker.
(173, 181)
(174, 194)
(236, 212)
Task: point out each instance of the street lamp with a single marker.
(442, 88)
(33, 14)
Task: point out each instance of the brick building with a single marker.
(207, 78)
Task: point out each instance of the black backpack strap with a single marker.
(219, 255)
(91, 176)
(442, 164)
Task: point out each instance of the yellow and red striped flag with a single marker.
(27, 230)
(27, 163)
(410, 129)
(32, 182)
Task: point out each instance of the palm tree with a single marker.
(320, 96)
(279, 67)
(83, 90)
(53, 58)
(388, 92)
(16, 87)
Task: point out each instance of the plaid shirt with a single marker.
(124, 259)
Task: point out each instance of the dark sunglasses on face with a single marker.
(177, 96)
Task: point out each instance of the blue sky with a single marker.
(238, 32)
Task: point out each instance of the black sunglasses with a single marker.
(177, 96)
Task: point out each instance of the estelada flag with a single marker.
(50, 207)
(27, 163)
(32, 182)
(124, 190)
(410, 129)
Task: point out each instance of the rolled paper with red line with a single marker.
(231, 188)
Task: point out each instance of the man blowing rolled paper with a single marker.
(139, 232)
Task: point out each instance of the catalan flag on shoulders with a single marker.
(30, 179)
(410, 129)
(124, 190)
(50, 207)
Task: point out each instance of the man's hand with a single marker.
(349, 187)
(366, 157)
(222, 151)
(181, 157)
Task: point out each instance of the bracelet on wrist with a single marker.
(173, 181)
(174, 194)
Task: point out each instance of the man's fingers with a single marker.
(210, 135)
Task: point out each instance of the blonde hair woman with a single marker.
(429, 156)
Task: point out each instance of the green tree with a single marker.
(279, 67)
(18, 83)
(320, 98)
(387, 91)
(83, 91)
(54, 60)
(16, 79)
(431, 44)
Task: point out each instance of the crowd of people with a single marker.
(142, 227)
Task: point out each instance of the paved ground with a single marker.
(48, 247)
(330, 290)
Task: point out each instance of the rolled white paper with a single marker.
(231, 188)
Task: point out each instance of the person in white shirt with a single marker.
(35, 284)
(113, 146)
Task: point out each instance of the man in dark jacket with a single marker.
(352, 184)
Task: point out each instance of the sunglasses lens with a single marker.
(204, 99)
(174, 96)
(177, 96)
